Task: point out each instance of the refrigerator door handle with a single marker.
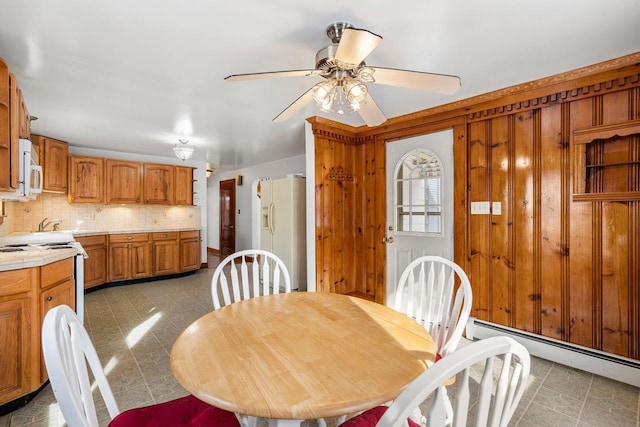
(271, 225)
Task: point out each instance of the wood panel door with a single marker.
(118, 260)
(158, 184)
(227, 217)
(166, 253)
(141, 261)
(5, 136)
(86, 179)
(124, 181)
(184, 185)
(54, 165)
(190, 250)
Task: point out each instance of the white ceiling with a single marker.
(137, 75)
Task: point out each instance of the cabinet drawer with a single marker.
(15, 281)
(192, 234)
(92, 240)
(129, 237)
(56, 272)
(173, 235)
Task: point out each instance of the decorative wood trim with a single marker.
(340, 174)
(588, 135)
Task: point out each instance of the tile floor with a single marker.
(133, 328)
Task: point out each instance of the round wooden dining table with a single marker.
(297, 356)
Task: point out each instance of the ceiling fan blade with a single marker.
(439, 83)
(273, 74)
(355, 45)
(371, 113)
(295, 106)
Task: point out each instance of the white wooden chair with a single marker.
(260, 273)
(68, 350)
(501, 380)
(426, 292)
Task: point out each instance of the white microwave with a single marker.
(29, 175)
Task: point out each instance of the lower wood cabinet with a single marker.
(166, 253)
(25, 296)
(129, 257)
(95, 266)
(189, 250)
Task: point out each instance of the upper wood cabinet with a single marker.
(184, 185)
(11, 111)
(53, 156)
(14, 124)
(124, 180)
(86, 179)
(158, 184)
(5, 134)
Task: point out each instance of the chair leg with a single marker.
(417, 417)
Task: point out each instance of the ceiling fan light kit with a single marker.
(345, 72)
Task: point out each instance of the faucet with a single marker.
(43, 225)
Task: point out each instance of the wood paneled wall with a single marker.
(554, 262)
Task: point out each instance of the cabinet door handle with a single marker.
(129, 238)
(49, 299)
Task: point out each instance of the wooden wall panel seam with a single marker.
(511, 232)
(565, 185)
(537, 222)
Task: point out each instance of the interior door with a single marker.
(414, 197)
(227, 217)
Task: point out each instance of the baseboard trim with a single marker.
(597, 362)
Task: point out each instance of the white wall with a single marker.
(273, 170)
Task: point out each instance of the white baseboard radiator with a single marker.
(597, 362)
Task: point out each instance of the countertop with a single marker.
(84, 233)
(36, 258)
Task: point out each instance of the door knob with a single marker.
(387, 240)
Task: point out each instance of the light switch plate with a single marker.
(480, 208)
(496, 208)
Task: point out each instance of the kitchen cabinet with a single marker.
(184, 185)
(129, 257)
(25, 296)
(19, 371)
(158, 184)
(166, 253)
(95, 266)
(53, 157)
(57, 287)
(5, 125)
(189, 250)
(86, 179)
(14, 123)
(123, 182)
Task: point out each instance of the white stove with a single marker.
(24, 242)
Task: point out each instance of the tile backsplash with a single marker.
(94, 217)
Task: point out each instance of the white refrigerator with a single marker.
(282, 225)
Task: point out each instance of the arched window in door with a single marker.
(418, 193)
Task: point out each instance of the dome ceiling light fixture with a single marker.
(182, 150)
(342, 65)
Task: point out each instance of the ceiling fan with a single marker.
(346, 74)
